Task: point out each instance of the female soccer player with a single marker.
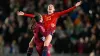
(39, 37)
(50, 20)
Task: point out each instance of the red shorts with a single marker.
(40, 49)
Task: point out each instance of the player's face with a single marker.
(51, 8)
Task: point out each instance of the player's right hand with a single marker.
(78, 3)
(20, 13)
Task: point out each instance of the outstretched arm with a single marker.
(70, 9)
(25, 14)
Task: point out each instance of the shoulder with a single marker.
(41, 27)
(44, 15)
(56, 12)
(39, 24)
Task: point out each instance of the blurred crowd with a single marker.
(76, 32)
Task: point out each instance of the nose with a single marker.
(50, 9)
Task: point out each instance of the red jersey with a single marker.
(39, 32)
(50, 20)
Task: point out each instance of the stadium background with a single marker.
(77, 33)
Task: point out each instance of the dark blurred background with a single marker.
(77, 33)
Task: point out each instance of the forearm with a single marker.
(29, 15)
(67, 11)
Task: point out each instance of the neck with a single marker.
(49, 13)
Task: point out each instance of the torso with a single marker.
(50, 21)
(37, 39)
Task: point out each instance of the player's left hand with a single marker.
(78, 3)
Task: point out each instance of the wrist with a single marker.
(23, 13)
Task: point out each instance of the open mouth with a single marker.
(50, 9)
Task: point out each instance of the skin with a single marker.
(50, 9)
(31, 43)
